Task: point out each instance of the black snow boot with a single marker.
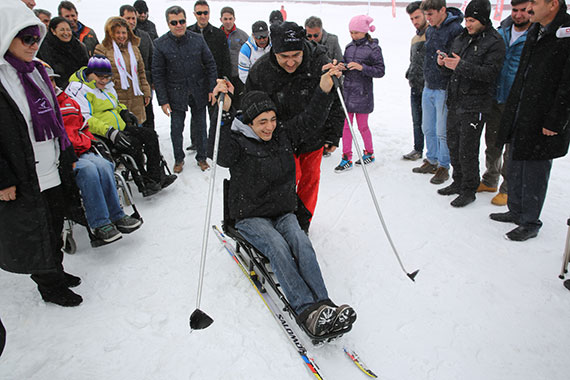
(454, 188)
(463, 200)
(504, 217)
(71, 281)
(60, 296)
(521, 233)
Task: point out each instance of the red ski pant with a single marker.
(308, 177)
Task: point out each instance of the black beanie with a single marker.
(287, 36)
(275, 17)
(254, 103)
(140, 6)
(479, 10)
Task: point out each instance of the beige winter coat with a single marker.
(135, 104)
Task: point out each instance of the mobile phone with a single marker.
(442, 55)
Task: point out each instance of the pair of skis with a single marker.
(283, 320)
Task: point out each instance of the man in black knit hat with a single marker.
(289, 73)
(475, 59)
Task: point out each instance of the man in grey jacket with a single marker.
(236, 38)
(315, 32)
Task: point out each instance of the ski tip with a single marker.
(413, 275)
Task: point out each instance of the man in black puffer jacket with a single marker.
(475, 60)
(290, 73)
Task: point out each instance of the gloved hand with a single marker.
(129, 118)
(119, 139)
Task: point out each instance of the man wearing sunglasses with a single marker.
(256, 46)
(315, 32)
(218, 44)
(184, 74)
(143, 23)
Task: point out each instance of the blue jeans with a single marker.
(416, 103)
(95, 178)
(198, 132)
(434, 126)
(281, 240)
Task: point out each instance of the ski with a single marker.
(293, 339)
(282, 319)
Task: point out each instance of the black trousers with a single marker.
(144, 143)
(528, 182)
(149, 122)
(463, 140)
(54, 203)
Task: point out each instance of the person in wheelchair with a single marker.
(91, 87)
(94, 175)
(258, 150)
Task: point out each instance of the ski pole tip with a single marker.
(413, 275)
(200, 320)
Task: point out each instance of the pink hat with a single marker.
(361, 24)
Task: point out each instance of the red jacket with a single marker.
(76, 127)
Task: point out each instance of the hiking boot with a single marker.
(60, 295)
(482, 187)
(521, 233)
(178, 167)
(441, 175)
(413, 155)
(367, 157)
(504, 217)
(71, 281)
(426, 168)
(321, 321)
(345, 165)
(107, 233)
(127, 224)
(192, 147)
(463, 200)
(500, 199)
(454, 188)
(345, 317)
(203, 165)
(167, 180)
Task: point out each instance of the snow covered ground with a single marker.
(482, 307)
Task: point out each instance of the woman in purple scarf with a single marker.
(34, 151)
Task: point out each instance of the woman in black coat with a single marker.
(63, 52)
(34, 153)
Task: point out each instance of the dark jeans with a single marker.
(144, 142)
(149, 122)
(528, 182)
(416, 103)
(54, 203)
(463, 139)
(198, 133)
(493, 154)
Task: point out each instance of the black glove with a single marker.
(119, 139)
(129, 118)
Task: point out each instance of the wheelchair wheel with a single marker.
(69, 245)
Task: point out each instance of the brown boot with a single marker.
(203, 165)
(178, 167)
(441, 175)
(482, 187)
(500, 199)
(426, 168)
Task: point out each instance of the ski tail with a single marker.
(356, 360)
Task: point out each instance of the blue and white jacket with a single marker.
(248, 54)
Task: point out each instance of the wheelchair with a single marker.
(126, 199)
(259, 269)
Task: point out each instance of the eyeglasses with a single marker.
(30, 40)
(261, 37)
(200, 13)
(176, 22)
(313, 35)
(104, 77)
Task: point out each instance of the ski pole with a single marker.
(566, 253)
(200, 320)
(359, 152)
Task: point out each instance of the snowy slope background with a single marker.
(482, 307)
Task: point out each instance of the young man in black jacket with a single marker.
(475, 59)
(259, 154)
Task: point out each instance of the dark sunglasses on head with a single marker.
(261, 37)
(200, 13)
(30, 40)
(313, 35)
(176, 22)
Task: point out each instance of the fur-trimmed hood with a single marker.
(114, 22)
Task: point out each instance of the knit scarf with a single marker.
(122, 68)
(46, 120)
